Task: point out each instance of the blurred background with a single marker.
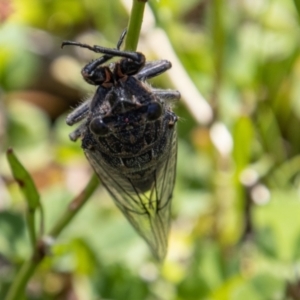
(236, 226)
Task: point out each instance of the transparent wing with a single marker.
(148, 212)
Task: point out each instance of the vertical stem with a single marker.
(135, 24)
(30, 220)
(16, 291)
(74, 207)
(218, 44)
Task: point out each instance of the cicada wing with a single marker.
(149, 212)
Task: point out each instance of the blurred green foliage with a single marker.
(236, 206)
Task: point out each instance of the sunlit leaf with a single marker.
(243, 138)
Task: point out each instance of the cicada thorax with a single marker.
(123, 135)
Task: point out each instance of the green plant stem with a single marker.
(135, 24)
(30, 219)
(16, 290)
(74, 207)
(25, 273)
(218, 35)
(42, 221)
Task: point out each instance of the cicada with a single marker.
(128, 134)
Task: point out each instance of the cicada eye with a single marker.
(98, 127)
(154, 111)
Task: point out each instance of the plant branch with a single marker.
(74, 207)
(16, 290)
(135, 24)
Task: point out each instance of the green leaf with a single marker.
(266, 241)
(243, 136)
(267, 285)
(297, 5)
(270, 135)
(296, 252)
(30, 192)
(24, 180)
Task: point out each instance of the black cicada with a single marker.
(128, 136)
